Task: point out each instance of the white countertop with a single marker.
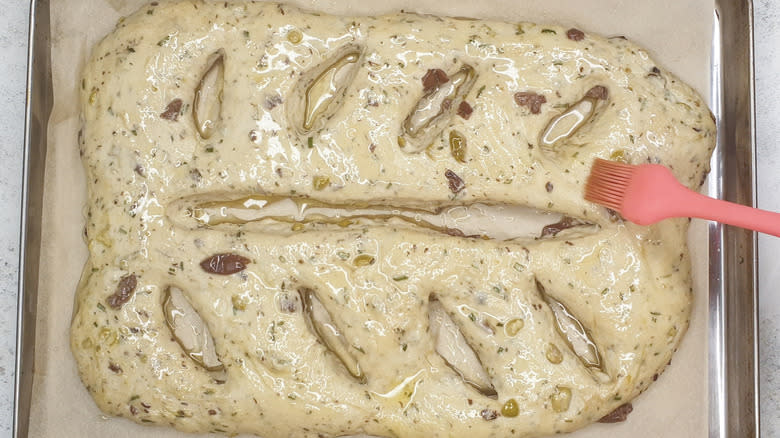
(767, 66)
(13, 46)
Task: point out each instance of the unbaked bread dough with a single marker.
(222, 294)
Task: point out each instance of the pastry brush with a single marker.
(648, 193)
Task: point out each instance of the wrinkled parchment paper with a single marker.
(676, 32)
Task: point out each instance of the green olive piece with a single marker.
(364, 260)
(458, 146)
(294, 36)
(513, 327)
(561, 399)
(619, 155)
(239, 302)
(298, 226)
(320, 182)
(510, 408)
(553, 354)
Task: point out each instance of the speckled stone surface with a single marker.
(13, 46)
(767, 67)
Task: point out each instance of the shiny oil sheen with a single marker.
(152, 181)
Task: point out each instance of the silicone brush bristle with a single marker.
(607, 183)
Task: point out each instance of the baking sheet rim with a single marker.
(32, 172)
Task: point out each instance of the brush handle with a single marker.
(648, 193)
(691, 204)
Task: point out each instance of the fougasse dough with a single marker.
(371, 323)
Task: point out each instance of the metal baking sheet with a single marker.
(733, 294)
(40, 100)
(732, 355)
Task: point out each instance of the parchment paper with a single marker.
(676, 32)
